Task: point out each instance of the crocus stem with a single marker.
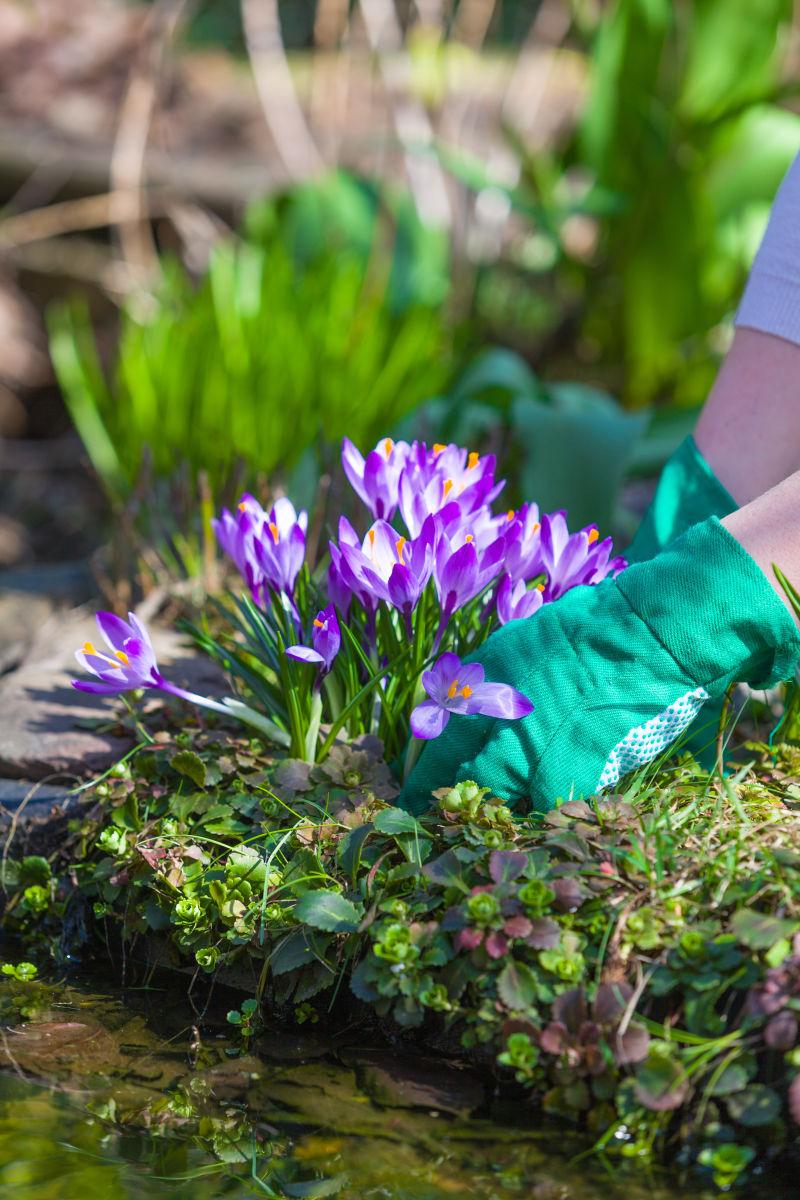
(231, 707)
(193, 697)
(312, 733)
(416, 744)
(137, 724)
(412, 754)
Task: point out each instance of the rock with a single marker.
(46, 731)
(395, 1082)
(285, 1045)
(21, 616)
(35, 797)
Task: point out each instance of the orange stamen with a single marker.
(593, 536)
(468, 538)
(399, 544)
(88, 648)
(273, 528)
(388, 446)
(510, 515)
(540, 587)
(448, 487)
(466, 691)
(122, 656)
(473, 460)
(318, 624)
(451, 691)
(371, 536)
(533, 531)
(438, 447)
(242, 506)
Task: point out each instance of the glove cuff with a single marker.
(715, 612)
(688, 492)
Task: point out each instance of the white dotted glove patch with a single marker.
(647, 741)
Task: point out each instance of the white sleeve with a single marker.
(771, 301)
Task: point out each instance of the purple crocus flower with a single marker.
(432, 479)
(344, 581)
(376, 478)
(281, 545)
(516, 601)
(387, 566)
(237, 534)
(460, 572)
(128, 663)
(524, 543)
(572, 559)
(327, 639)
(456, 687)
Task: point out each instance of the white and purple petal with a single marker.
(428, 720)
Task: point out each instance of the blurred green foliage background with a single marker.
(572, 317)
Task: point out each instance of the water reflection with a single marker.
(122, 1096)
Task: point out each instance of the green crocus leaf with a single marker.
(329, 911)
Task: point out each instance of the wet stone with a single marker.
(395, 1082)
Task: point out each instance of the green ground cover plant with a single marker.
(630, 963)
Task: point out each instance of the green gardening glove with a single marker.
(616, 673)
(688, 492)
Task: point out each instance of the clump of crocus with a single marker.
(407, 594)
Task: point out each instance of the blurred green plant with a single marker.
(565, 444)
(639, 233)
(310, 328)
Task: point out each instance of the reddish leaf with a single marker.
(507, 865)
(570, 1009)
(611, 1001)
(632, 1046)
(152, 856)
(468, 939)
(518, 927)
(554, 1038)
(794, 1099)
(569, 896)
(780, 1032)
(496, 945)
(544, 935)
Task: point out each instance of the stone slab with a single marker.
(41, 715)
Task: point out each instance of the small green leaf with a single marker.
(393, 821)
(516, 986)
(350, 847)
(296, 949)
(760, 931)
(756, 1105)
(361, 984)
(329, 911)
(187, 763)
(734, 1078)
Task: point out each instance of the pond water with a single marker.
(135, 1094)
